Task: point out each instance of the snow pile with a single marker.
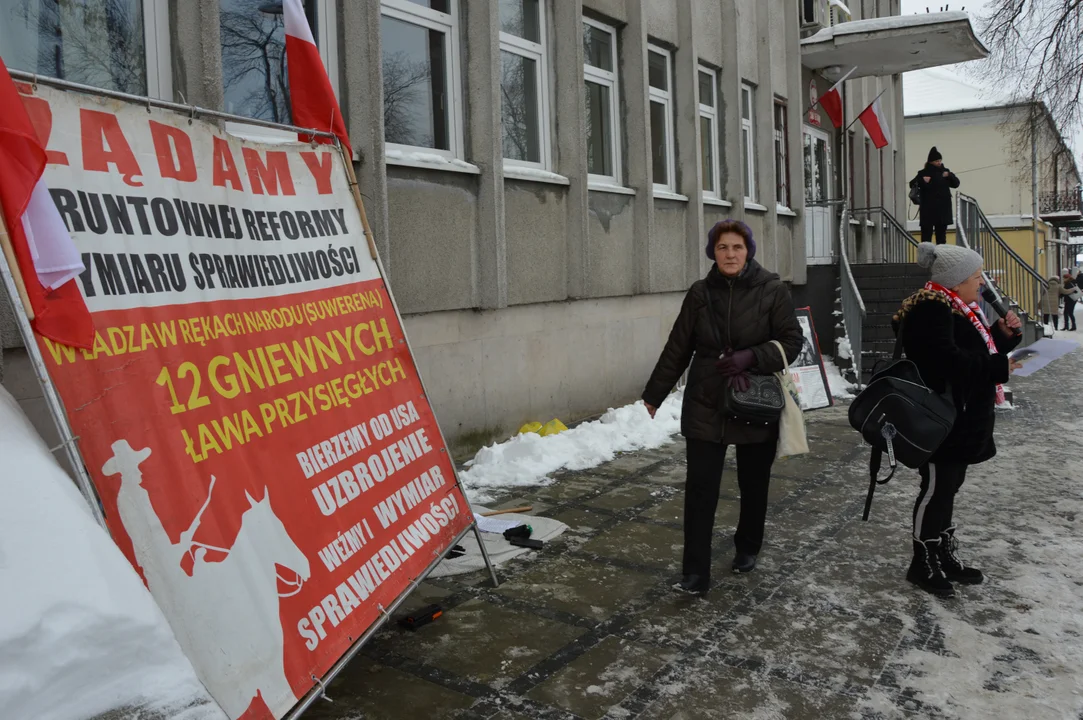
(846, 352)
(841, 388)
(79, 633)
(527, 460)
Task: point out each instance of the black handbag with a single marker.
(899, 414)
(762, 402)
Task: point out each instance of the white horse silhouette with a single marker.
(226, 614)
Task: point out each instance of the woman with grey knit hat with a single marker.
(945, 333)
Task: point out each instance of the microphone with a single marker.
(995, 299)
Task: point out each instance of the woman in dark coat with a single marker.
(935, 183)
(1070, 299)
(946, 335)
(725, 328)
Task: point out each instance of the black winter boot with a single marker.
(693, 584)
(925, 571)
(744, 563)
(953, 569)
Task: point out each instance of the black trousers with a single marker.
(941, 233)
(1053, 320)
(705, 460)
(936, 499)
(1069, 313)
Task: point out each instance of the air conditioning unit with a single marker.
(815, 16)
(838, 12)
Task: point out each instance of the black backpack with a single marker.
(915, 194)
(899, 414)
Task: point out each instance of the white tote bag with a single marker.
(791, 427)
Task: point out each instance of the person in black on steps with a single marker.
(935, 183)
(738, 309)
(945, 334)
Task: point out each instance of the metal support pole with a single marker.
(1034, 185)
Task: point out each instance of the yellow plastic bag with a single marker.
(553, 427)
(532, 427)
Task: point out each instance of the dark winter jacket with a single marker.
(936, 205)
(949, 351)
(750, 311)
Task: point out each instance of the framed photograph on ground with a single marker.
(808, 370)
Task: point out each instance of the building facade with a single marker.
(539, 174)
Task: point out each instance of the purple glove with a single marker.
(735, 362)
(739, 382)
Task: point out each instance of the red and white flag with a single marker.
(312, 100)
(832, 101)
(876, 124)
(47, 257)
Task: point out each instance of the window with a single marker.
(660, 81)
(524, 96)
(708, 131)
(748, 141)
(255, 80)
(120, 45)
(782, 165)
(600, 88)
(419, 40)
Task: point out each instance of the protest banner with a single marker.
(250, 413)
(808, 370)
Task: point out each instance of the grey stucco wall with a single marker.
(535, 219)
(669, 245)
(611, 230)
(662, 20)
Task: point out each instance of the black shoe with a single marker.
(925, 570)
(954, 570)
(744, 563)
(693, 584)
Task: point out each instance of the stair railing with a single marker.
(853, 307)
(897, 245)
(1014, 278)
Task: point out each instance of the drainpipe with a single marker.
(1034, 184)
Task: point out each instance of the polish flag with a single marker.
(876, 124)
(832, 101)
(45, 254)
(311, 98)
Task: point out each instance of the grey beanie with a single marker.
(951, 265)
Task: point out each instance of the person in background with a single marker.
(724, 329)
(1071, 297)
(945, 334)
(935, 183)
(1051, 302)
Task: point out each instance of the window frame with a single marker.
(868, 174)
(535, 51)
(851, 148)
(748, 135)
(449, 24)
(326, 35)
(782, 152)
(156, 39)
(710, 113)
(610, 79)
(665, 99)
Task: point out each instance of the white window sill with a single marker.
(719, 202)
(870, 223)
(609, 188)
(854, 222)
(754, 206)
(518, 172)
(783, 210)
(429, 161)
(660, 194)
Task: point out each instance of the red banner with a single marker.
(250, 412)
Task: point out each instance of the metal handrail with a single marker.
(853, 307)
(897, 245)
(1014, 277)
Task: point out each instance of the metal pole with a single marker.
(1034, 182)
(52, 399)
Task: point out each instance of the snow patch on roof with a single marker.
(893, 22)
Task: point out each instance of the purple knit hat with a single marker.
(735, 226)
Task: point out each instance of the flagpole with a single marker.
(842, 80)
(858, 116)
(16, 274)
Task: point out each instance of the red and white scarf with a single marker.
(974, 314)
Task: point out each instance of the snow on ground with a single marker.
(79, 632)
(841, 388)
(527, 460)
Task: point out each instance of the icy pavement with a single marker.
(826, 627)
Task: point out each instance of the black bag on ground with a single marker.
(898, 414)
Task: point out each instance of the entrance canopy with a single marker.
(889, 45)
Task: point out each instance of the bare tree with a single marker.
(254, 62)
(515, 110)
(1037, 54)
(404, 79)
